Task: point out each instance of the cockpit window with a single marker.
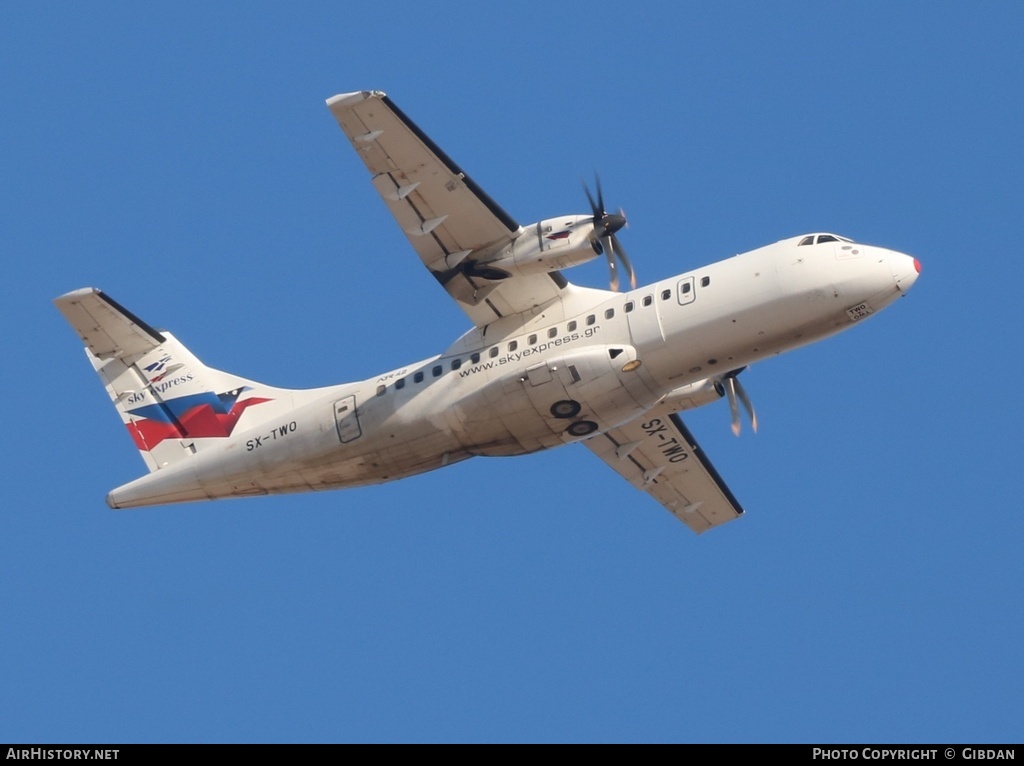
(819, 239)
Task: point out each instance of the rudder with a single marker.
(171, 403)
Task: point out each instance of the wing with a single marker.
(450, 221)
(657, 454)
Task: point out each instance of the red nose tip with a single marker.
(917, 266)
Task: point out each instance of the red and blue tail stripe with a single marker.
(203, 415)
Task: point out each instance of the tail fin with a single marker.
(172, 404)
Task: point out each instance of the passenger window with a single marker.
(648, 300)
(456, 364)
(686, 287)
(493, 352)
(400, 383)
(552, 332)
(513, 345)
(609, 313)
(381, 390)
(474, 358)
(591, 319)
(629, 306)
(532, 339)
(436, 372)
(571, 326)
(705, 281)
(417, 378)
(666, 294)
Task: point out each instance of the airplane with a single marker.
(546, 363)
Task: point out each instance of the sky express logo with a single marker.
(163, 370)
(158, 365)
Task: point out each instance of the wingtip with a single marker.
(81, 292)
(343, 100)
(78, 293)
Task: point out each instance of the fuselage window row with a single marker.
(552, 332)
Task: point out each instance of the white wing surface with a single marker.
(656, 453)
(453, 225)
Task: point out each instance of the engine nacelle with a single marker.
(694, 395)
(548, 245)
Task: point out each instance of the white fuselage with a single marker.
(615, 355)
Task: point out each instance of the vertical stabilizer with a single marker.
(171, 403)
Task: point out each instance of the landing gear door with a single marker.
(347, 420)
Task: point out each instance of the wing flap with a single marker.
(657, 454)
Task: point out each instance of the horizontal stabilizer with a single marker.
(107, 328)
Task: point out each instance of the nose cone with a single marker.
(905, 270)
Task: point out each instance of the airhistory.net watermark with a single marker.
(58, 754)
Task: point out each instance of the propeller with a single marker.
(731, 388)
(604, 239)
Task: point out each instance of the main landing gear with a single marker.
(564, 409)
(581, 428)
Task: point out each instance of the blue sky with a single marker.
(184, 161)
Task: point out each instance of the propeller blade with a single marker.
(603, 238)
(734, 409)
(613, 269)
(593, 205)
(627, 264)
(746, 404)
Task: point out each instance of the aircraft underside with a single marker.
(546, 363)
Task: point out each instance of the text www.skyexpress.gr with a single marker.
(540, 348)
